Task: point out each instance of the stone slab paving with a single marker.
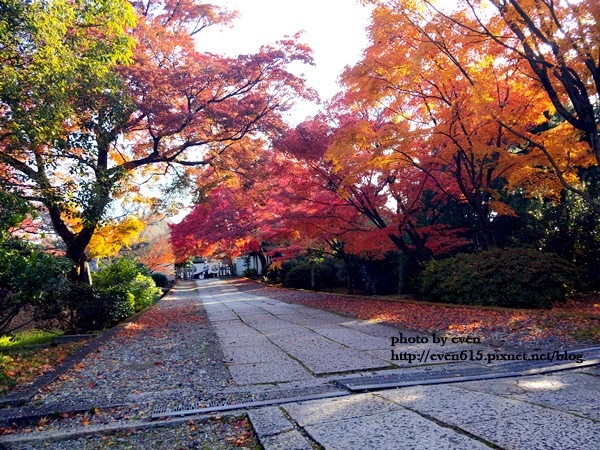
(268, 372)
(322, 342)
(296, 342)
(447, 417)
(543, 430)
(270, 421)
(575, 393)
(447, 403)
(554, 411)
(366, 421)
(276, 431)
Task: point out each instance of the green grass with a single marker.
(29, 337)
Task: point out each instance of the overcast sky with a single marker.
(334, 29)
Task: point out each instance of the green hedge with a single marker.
(514, 277)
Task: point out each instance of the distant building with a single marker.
(249, 262)
(202, 267)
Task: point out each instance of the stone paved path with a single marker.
(267, 342)
(297, 372)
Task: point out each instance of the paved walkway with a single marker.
(267, 342)
(310, 377)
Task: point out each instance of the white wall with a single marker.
(240, 265)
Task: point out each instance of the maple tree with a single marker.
(374, 200)
(543, 51)
(448, 131)
(102, 112)
(422, 116)
(437, 120)
(319, 206)
(239, 216)
(153, 248)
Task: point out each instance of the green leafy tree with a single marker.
(83, 111)
(56, 83)
(28, 275)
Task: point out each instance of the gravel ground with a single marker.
(213, 434)
(169, 356)
(169, 353)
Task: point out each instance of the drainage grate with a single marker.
(248, 400)
(457, 375)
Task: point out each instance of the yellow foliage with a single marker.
(109, 239)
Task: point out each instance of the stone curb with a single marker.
(109, 428)
(366, 387)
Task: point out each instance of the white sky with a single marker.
(334, 29)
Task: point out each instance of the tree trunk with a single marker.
(76, 253)
(263, 264)
(81, 271)
(401, 273)
(349, 281)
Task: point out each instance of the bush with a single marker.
(79, 308)
(28, 277)
(118, 302)
(273, 273)
(160, 279)
(119, 291)
(122, 278)
(250, 273)
(516, 278)
(144, 291)
(298, 277)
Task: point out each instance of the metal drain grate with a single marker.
(247, 400)
(456, 376)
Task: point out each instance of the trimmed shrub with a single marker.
(160, 279)
(119, 302)
(144, 291)
(298, 277)
(514, 277)
(118, 273)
